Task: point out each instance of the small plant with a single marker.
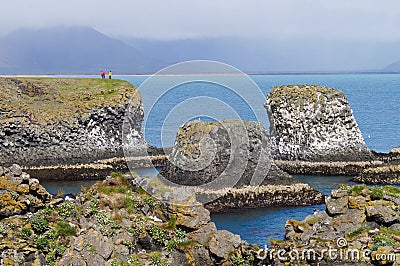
(238, 260)
(26, 233)
(102, 218)
(65, 229)
(94, 207)
(65, 209)
(131, 203)
(381, 240)
(3, 229)
(157, 261)
(181, 234)
(377, 193)
(12, 226)
(59, 250)
(392, 191)
(389, 231)
(171, 223)
(51, 258)
(358, 232)
(14, 195)
(42, 243)
(158, 234)
(356, 190)
(39, 224)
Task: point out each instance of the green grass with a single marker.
(301, 92)
(389, 231)
(356, 190)
(45, 100)
(359, 231)
(65, 229)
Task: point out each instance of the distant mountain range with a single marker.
(74, 50)
(81, 50)
(394, 67)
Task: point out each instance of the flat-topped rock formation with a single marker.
(231, 161)
(314, 123)
(50, 121)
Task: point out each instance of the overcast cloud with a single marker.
(368, 20)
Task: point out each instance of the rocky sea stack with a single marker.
(314, 123)
(49, 121)
(232, 160)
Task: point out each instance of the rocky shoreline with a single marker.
(360, 226)
(111, 223)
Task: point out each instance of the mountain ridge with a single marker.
(72, 50)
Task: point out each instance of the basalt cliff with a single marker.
(50, 121)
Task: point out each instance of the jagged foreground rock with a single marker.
(361, 226)
(19, 193)
(48, 121)
(314, 123)
(230, 165)
(111, 223)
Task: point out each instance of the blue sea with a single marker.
(374, 99)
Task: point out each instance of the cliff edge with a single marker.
(48, 121)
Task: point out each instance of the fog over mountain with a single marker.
(83, 50)
(276, 55)
(393, 67)
(72, 50)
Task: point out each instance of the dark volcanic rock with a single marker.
(385, 174)
(231, 166)
(360, 219)
(19, 193)
(67, 121)
(235, 152)
(314, 123)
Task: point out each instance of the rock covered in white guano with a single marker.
(314, 123)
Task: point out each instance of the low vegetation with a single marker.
(46, 100)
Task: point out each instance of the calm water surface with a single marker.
(374, 99)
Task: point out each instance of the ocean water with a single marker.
(374, 99)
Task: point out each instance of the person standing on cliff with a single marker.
(110, 74)
(103, 74)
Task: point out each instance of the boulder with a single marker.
(19, 193)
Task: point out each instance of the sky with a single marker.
(359, 20)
